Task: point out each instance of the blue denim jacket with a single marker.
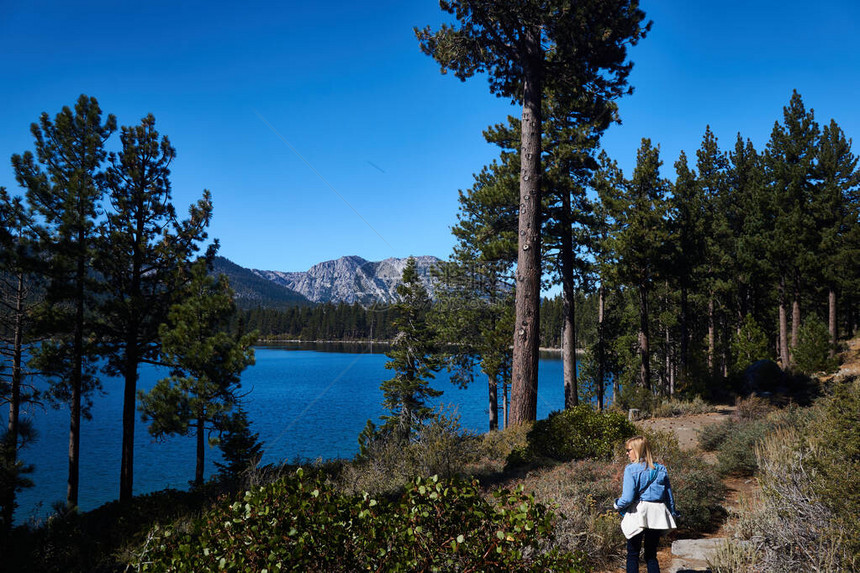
(635, 477)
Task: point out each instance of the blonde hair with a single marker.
(639, 444)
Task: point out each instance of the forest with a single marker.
(673, 280)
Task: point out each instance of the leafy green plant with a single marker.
(673, 408)
(576, 433)
(750, 344)
(812, 353)
(712, 436)
(302, 524)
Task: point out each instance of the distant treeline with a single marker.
(342, 321)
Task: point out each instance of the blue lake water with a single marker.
(304, 403)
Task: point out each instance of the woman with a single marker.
(647, 504)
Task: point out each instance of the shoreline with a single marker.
(269, 341)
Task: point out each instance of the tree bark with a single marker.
(784, 355)
(526, 334)
(833, 325)
(601, 358)
(129, 401)
(712, 337)
(494, 402)
(77, 376)
(11, 450)
(568, 342)
(685, 335)
(644, 350)
(201, 451)
(795, 314)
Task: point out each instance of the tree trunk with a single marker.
(712, 337)
(831, 320)
(601, 357)
(568, 329)
(494, 401)
(11, 450)
(526, 334)
(126, 477)
(670, 375)
(685, 335)
(201, 451)
(784, 355)
(795, 314)
(77, 380)
(644, 350)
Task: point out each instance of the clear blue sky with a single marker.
(322, 130)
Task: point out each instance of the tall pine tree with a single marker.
(142, 247)
(525, 48)
(63, 183)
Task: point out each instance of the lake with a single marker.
(305, 401)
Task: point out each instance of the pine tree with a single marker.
(835, 210)
(63, 186)
(413, 357)
(240, 447)
(142, 246)
(525, 48)
(790, 163)
(206, 363)
(20, 295)
(639, 238)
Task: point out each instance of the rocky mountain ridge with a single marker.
(351, 279)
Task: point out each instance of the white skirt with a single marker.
(647, 515)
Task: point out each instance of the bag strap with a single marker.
(653, 476)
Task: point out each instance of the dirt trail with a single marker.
(686, 429)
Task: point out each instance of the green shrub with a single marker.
(301, 524)
(789, 526)
(812, 353)
(583, 492)
(833, 437)
(736, 455)
(439, 447)
(574, 434)
(633, 395)
(673, 408)
(752, 408)
(712, 436)
(699, 492)
(750, 344)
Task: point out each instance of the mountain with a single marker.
(351, 279)
(253, 291)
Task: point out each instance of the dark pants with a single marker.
(634, 544)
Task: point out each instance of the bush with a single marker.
(635, 396)
(833, 439)
(439, 447)
(736, 455)
(812, 353)
(750, 344)
(583, 492)
(301, 524)
(752, 408)
(788, 525)
(712, 436)
(674, 408)
(575, 434)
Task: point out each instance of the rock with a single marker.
(764, 377)
(692, 554)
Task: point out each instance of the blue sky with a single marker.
(322, 130)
